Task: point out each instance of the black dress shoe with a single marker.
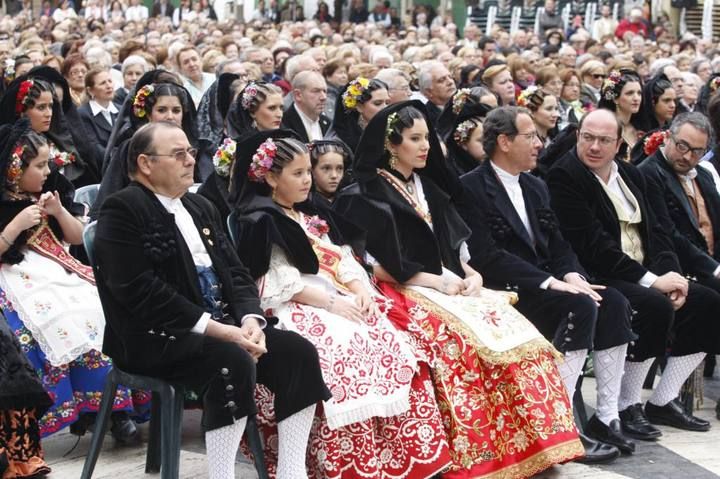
(597, 452)
(85, 423)
(673, 414)
(123, 429)
(635, 424)
(609, 434)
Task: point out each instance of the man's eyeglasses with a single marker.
(179, 155)
(528, 136)
(602, 140)
(683, 147)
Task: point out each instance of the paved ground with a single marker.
(678, 455)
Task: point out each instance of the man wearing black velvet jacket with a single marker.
(517, 207)
(604, 212)
(181, 306)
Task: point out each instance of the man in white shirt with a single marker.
(574, 314)
(305, 116)
(182, 307)
(604, 26)
(136, 12)
(194, 79)
(606, 213)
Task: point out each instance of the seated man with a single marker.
(602, 206)
(180, 306)
(517, 206)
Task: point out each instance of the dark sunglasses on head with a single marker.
(599, 76)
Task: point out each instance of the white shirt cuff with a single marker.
(546, 284)
(201, 325)
(716, 273)
(648, 279)
(261, 321)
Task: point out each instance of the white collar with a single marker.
(96, 108)
(614, 175)
(505, 177)
(170, 204)
(304, 117)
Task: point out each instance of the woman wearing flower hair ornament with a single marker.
(383, 420)
(464, 143)
(621, 92)
(503, 402)
(356, 104)
(48, 297)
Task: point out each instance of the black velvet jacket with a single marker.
(548, 250)
(589, 222)
(673, 210)
(292, 121)
(148, 282)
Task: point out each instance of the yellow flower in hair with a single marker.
(364, 82)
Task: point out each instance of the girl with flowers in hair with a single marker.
(356, 104)
(48, 297)
(504, 404)
(382, 420)
(543, 107)
(152, 102)
(464, 143)
(621, 92)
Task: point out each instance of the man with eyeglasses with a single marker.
(567, 309)
(605, 212)
(180, 306)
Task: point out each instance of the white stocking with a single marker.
(570, 369)
(609, 365)
(222, 447)
(293, 434)
(632, 383)
(678, 369)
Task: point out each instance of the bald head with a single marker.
(599, 137)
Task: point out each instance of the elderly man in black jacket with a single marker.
(517, 206)
(603, 210)
(181, 306)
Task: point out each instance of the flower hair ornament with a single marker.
(22, 96)
(262, 161)
(523, 98)
(610, 84)
(462, 133)
(654, 141)
(390, 126)
(317, 226)
(248, 95)
(223, 157)
(60, 158)
(459, 99)
(14, 169)
(138, 105)
(715, 84)
(353, 93)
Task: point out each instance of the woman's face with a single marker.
(231, 51)
(378, 100)
(339, 76)
(167, 108)
(34, 175)
(595, 78)
(553, 86)
(270, 112)
(23, 69)
(571, 89)
(412, 153)
(328, 172)
(132, 75)
(665, 106)
(521, 75)
(474, 144)
(704, 71)
(502, 85)
(547, 115)
(102, 89)
(40, 115)
(630, 98)
(76, 76)
(292, 184)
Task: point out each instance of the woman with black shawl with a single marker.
(329, 160)
(487, 353)
(658, 105)
(71, 150)
(314, 285)
(151, 103)
(355, 106)
(464, 141)
(49, 298)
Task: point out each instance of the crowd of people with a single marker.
(394, 244)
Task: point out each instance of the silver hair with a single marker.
(659, 65)
(390, 75)
(425, 73)
(133, 60)
(695, 119)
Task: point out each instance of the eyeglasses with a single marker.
(599, 76)
(683, 147)
(602, 140)
(179, 155)
(528, 136)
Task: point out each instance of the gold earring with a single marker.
(273, 194)
(392, 162)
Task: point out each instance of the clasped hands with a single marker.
(48, 204)
(674, 286)
(250, 337)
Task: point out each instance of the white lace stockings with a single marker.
(678, 369)
(293, 434)
(632, 383)
(222, 447)
(609, 365)
(570, 369)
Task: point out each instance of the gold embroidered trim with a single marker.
(511, 356)
(540, 461)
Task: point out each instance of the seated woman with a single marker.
(464, 143)
(621, 92)
(152, 103)
(99, 112)
(329, 160)
(383, 420)
(48, 297)
(503, 401)
(544, 111)
(356, 104)
(659, 105)
(22, 401)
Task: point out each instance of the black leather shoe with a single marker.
(636, 425)
(123, 429)
(673, 414)
(85, 423)
(609, 434)
(597, 452)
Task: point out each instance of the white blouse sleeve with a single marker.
(349, 268)
(281, 282)
(464, 253)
